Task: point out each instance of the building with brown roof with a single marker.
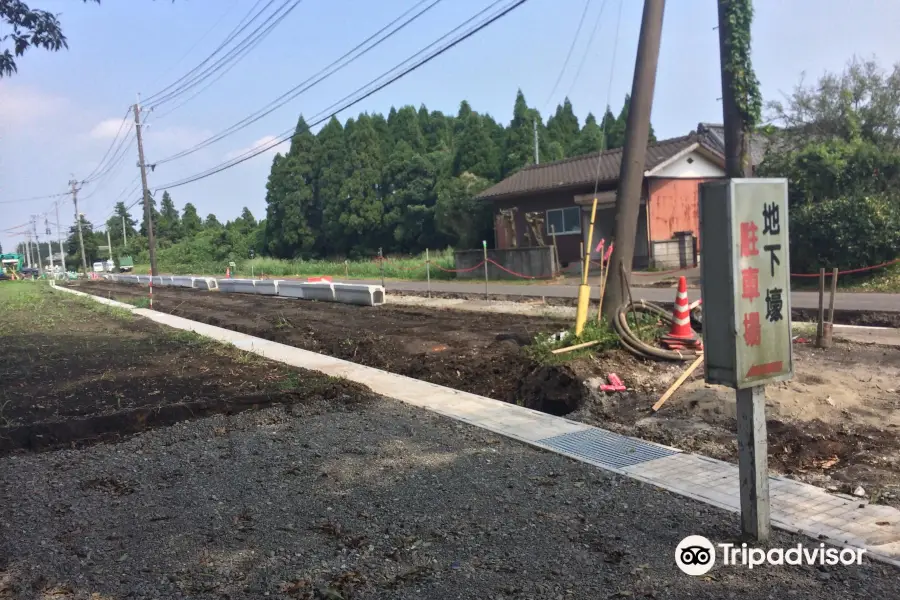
(553, 200)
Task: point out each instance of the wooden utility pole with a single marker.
(737, 145)
(62, 253)
(37, 243)
(752, 435)
(148, 214)
(74, 185)
(631, 172)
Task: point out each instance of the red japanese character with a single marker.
(750, 283)
(752, 329)
(749, 239)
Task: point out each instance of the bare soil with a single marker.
(76, 373)
(835, 425)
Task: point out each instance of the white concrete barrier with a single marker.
(240, 286)
(267, 287)
(162, 280)
(204, 283)
(322, 291)
(291, 289)
(129, 279)
(182, 281)
(352, 293)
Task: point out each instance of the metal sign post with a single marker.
(746, 289)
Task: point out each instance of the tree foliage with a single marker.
(840, 149)
(28, 28)
(406, 182)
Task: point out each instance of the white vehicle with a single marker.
(104, 266)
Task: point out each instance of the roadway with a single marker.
(854, 301)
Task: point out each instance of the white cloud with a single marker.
(174, 138)
(257, 145)
(108, 129)
(20, 105)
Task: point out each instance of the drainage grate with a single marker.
(606, 448)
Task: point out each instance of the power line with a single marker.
(287, 135)
(111, 145)
(590, 43)
(233, 55)
(33, 198)
(587, 5)
(199, 40)
(612, 66)
(228, 38)
(310, 81)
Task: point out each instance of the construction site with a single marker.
(825, 426)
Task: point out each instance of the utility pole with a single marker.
(37, 245)
(109, 244)
(737, 145)
(750, 402)
(62, 253)
(28, 248)
(49, 242)
(74, 185)
(124, 233)
(537, 152)
(151, 238)
(631, 173)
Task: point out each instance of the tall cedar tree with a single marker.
(190, 220)
(290, 198)
(359, 210)
(168, 227)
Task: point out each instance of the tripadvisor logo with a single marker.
(696, 555)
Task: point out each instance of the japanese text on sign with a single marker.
(762, 285)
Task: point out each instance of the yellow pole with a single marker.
(584, 290)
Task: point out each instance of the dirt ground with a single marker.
(835, 425)
(75, 372)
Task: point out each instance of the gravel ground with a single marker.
(372, 500)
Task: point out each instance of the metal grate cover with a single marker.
(606, 448)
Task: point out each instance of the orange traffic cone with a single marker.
(682, 335)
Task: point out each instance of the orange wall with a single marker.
(673, 206)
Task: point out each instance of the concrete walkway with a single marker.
(795, 506)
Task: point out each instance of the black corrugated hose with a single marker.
(634, 344)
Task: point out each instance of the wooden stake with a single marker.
(575, 347)
(678, 382)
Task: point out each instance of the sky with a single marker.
(60, 112)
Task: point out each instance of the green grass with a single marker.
(542, 349)
(394, 268)
(138, 302)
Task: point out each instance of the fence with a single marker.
(511, 263)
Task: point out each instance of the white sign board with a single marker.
(745, 271)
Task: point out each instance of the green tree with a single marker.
(563, 129)
(476, 152)
(115, 223)
(190, 220)
(330, 162)
(290, 198)
(153, 212)
(519, 149)
(458, 215)
(409, 200)
(358, 215)
(169, 223)
(404, 127)
(29, 28)
(211, 222)
(590, 138)
(73, 246)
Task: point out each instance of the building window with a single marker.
(564, 220)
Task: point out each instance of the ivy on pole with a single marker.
(739, 15)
